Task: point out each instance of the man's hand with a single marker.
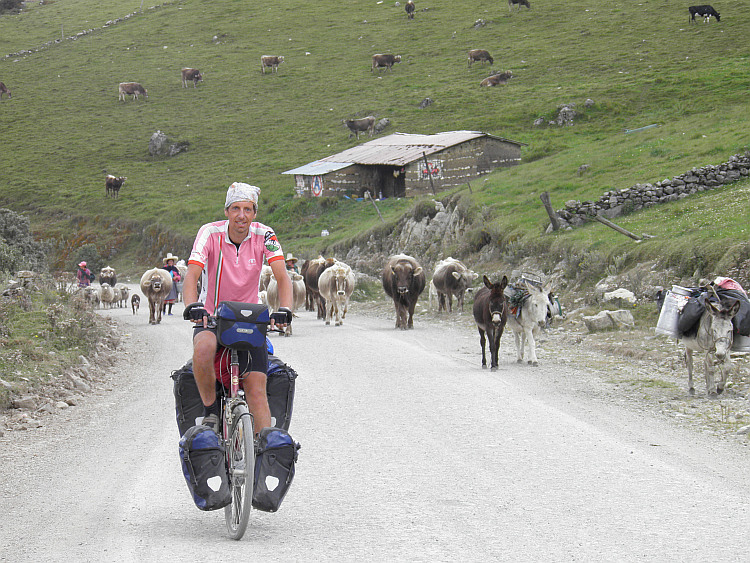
(195, 312)
(281, 318)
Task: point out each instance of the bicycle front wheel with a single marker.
(241, 464)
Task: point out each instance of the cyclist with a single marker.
(227, 256)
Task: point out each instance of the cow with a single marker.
(312, 270)
(451, 278)
(386, 61)
(518, 3)
(336, 285)
(480, 55)
(270, 61)
(491, 313)
(191, 74)
(108, 275)
(357, 126)
(500, 78)
(155, 286)
(112, 185)
(403, 281)
(135, 302)
(409, 7)
(4, 90)
(705, 10)
(131, 89)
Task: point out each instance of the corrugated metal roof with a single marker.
(397, 149)
(318, 167)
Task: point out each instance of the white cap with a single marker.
(241, 192)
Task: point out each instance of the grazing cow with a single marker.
(714, 339)
(124, 294)
(531, 316)
(490, 314)
(480, 55)
(271, 62)
(131, 89)
(336, 285)
(155, 286)
(357, 126)
(191, 74)
(112, 185)
(409, 7)
(312, 274)
(107, 295)
(451, 278)
(135, 302)
(705, 10)
(500, 78)
(4, 90)
(403, 281)
(108, 275)
(386, 61)
(518, 3)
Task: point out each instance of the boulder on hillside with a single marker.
(609, 319)
(161, 145)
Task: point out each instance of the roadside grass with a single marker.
(68, 129)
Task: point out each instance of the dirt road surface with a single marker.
(410, 452)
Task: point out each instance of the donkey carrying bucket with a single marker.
(714, 339)
(533, 313)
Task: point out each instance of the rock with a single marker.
(27, 402)
(424, 103)
(620, 293)
(61, 405)
(622, 318)
(382, 124)
(600, 321)
(161, 145)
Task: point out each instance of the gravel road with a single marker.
(410, 452)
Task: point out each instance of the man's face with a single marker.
(240, 215)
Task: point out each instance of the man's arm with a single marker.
(285, 284)
(190, 285)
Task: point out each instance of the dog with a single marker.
(135, 302)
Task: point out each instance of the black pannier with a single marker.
(276, 456)
(204, 468)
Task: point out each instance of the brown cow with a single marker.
(452, 278)
(386, 61)
(403, 281)
(112, 185)
(311, 271)
(156, 285)
(480, 55)
(131, 89)
(357, 126)
(501, 78)
(270, 61)
(191, 74)
(490, 314)
(4, 90)
(409, 9)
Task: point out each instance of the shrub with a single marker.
(10, 6)
(18, 249)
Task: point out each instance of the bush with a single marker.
(10, 6)
(18, 249)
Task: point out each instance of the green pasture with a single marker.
(642, 63)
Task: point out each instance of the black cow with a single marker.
(518, 3)
(113, 185)
(403, 281)
(311, 271)
(409, 9)
(357, 126)
(191, 74)
(386, 61)
(491, 314)
(705, 10)
(4, 90)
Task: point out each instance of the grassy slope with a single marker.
(642, 63)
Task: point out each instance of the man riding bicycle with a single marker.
(227, 257)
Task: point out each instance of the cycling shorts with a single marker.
(254, 360)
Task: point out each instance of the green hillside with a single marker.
(642, 63)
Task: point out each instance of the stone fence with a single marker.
(615, 203)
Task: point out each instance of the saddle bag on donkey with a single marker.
(204, 468)
(275, 459)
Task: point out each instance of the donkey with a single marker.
(490, 314)
(714, 338)
(533, 314)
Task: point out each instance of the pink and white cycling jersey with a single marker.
(229, 273)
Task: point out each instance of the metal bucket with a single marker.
(674, 302)
(741, 343)
(679, 290)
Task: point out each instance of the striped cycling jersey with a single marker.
(231, 273)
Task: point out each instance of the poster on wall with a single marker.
(316, 186)
(433, 168)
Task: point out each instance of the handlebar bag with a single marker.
(275, 458)
(242, 326)
(204, 468)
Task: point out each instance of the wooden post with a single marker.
(469, 184)
(429, 172)
(617, 228)
(372, 199)
(551, 212)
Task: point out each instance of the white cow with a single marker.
(271, 295)
(336, 285)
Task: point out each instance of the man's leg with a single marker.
(254, 384)
(204, 350)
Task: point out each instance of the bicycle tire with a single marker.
(241, 465)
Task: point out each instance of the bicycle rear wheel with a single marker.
(241, 458)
